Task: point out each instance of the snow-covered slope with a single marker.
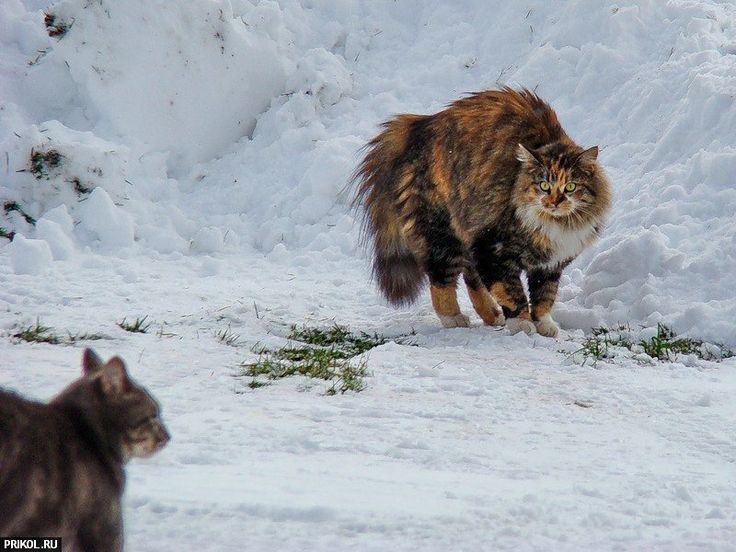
(169, 91)
(204, 149)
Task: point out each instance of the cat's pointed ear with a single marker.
(528, 156)
(114, 377)
(590, 154)
(91, 362)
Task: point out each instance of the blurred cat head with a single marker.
(123, 411)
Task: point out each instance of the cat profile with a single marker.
(62, 463)
(491, 188)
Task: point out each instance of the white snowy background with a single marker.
(216, 138)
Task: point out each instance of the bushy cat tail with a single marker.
(398, 274)
(384, 190)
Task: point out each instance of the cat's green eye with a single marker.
(570, 187)
(545, 186)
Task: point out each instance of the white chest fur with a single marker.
(564, 243)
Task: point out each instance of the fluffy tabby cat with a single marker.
(61, 464)
(489, 188)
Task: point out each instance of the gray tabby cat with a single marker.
(61, 464)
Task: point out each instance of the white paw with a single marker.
(456, 321)
(547, 327)
(516, 325)
(500, 319)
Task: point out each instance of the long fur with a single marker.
(396, 268)
(442, 193)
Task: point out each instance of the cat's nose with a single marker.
(165, 436)
(557, 200)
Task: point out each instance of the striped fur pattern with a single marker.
(62, 463)
(491, 188)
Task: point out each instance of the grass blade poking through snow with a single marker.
(139, 326)
(38, 333)
(665, 345)
(324, 354)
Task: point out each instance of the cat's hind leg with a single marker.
(444, 301)
(444, 258)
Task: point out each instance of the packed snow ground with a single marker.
(214, 140)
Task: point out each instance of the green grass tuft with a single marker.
(324, 354)
(80, 188)
(594, 347)
(350, 378)
(42, 161)
(324, 364)
(600, 343)
(38, 333)
(665, 345)
(337, 336)
(10, 206)
(138, 326)
(74, 338)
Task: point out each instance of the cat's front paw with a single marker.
(455, 321)
(516, 325)
(500, 319)
(547, 327)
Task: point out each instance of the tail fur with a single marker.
(384, 184)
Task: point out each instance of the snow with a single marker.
(28, 256)
(212, 73)
(205, 153)
(105, 222)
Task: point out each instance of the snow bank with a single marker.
(106, 222)
(186, 78)
(56, 228)
(655, 88)
(227, 128)
(28, 256)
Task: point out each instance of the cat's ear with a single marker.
(114, 377)
(525, 155)
(590, 154)
(91, 362)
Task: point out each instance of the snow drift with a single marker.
(246, 119)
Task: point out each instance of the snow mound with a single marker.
(56, 229)
(106, 222)
(221, 128)
(187, 78)
(208, 240)
(29, 256)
